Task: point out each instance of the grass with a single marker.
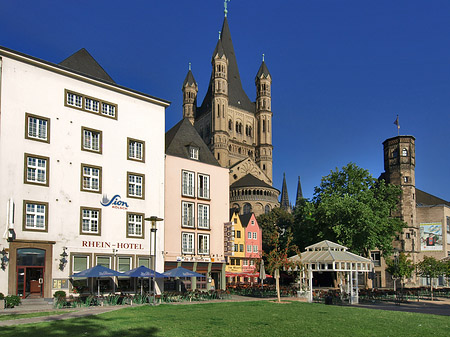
(7, 317)
(259, 318)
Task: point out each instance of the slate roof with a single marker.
(245, 219)
(263, 71)
(299, 191)
(284, 203)
(83, 62)
(183, 135)
(189, 79)
(236, 94)
(250, 180)
(423, 198)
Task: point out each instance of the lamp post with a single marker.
(395, 276)
(153, 219)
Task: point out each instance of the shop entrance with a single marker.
(30, 272)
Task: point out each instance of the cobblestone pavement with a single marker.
(440, 307)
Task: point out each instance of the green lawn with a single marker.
(259, 318)
(6, 317)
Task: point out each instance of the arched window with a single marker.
(247, 208)
(237, 127)
(267, 209)
(404, 153)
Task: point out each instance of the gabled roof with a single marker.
(183, 135)
(423, 198)
(83, 62)
(236, 94)
(250, 180)
(245, 219)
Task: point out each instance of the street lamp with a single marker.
(395, 276)
(153, 219)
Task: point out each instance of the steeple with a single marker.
(284, 203)
(299, 192)
(190, 90)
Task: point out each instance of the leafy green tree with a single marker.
(277, 221)
(430, 268)
(352, 208)
(400, 268)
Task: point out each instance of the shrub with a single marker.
(60, 294)
(2, 297)
(12, 300)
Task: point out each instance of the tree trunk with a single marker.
(277, 282)
(431, 284)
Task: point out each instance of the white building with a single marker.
(81, 166)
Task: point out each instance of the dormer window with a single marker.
(193, 152)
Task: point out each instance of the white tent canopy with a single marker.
(330, 256)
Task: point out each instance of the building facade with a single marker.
(253, 244)
(196, 208)
(237, 130)
(82, 166)
(427, 217)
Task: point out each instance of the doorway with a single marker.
(30, 272)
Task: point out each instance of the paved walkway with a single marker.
(440, 307)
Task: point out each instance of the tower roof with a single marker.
(263, 71)
(219, 49)
(284, 194)
(84, 63)
(236, 94)
(190, 80)
(182, 136)
(299, 191)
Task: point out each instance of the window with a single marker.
(404, 152)
(35, 216)
(90, 104)
(448, 224)
(91, 140)
(90, 221)
(135, 225)
(80, 263)
(203, 186)
(238, 234)
(241, 248)
(267, 209)
(249, 248)
(188, 219)
(123, 263)
(255, 248)
(252, 262)
(255, 235)
(193, 152)
(104, 261)
(143, 261)
(36, 169)
(245, 263)
(203, 244)
(187, 185)
(37, 128)
(187, 243)
(376, 258)
(247, 208)
(236, 247)
(91, 178)
(135, 185)
(249, 235)
(136, 149)
(203, 216)
(408, 235)
(405, 179)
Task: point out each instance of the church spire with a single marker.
(225, 5)
(299, 192)
(284, 195)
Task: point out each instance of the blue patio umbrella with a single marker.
(97, 271)
(182, 272)
(142, 272)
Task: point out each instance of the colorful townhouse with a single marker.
(253, 245)
(236, 260)
(196, 209)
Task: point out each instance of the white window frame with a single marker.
(90, 221)
(38, 128)
(136, 149)
(203, 186)
(187, 214)
(103, 257)
(203, 244)
(36, 215)
(255, 248)
(255, 236)
(36, 172)
(91, 140)
(249, 235)
(249, 248)
(135, 225)
(245, 263)
(187, 183)
(135, 185)
(193, 152)
(108, 110)
(74, 100)
(129, 265)
(91, 104)
(87, 257)
(187, 243)
(91, 178)
(203, 216)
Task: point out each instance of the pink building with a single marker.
(253, 242)
(196, 208)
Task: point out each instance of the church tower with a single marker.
(263, 82)
(399, 167)
(190, 90)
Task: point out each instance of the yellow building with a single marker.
(235, 261)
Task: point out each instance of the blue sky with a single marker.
(342, 69)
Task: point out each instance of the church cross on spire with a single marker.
(189, 65)
(225, 4)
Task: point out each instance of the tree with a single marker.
(277, 221)
(277, 258)
(400, 268)
(430, 268)
(352, 208)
